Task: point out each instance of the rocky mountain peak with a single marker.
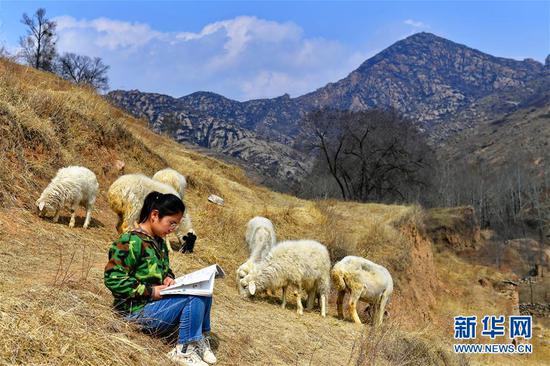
(205, 95)
(423, 38)
(424, 49)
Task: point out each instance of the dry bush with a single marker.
(68, 326)
(388, 345)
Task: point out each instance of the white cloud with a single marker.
(416, 23)
(242, 58)
(104, 32)
(243, 28)
(241, 33)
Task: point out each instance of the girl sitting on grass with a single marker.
(139, 268)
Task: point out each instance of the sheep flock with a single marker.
(301, 267)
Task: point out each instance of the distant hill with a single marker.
(212, 121)
(429, 79)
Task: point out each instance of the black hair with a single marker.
(165, 204)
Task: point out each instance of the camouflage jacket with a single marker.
(137, 262)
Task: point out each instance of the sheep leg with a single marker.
(353, 307)
(119, 224)
(180, 233)
(283, 305)
(73, 217)
(379, 313)
(89, 208)
(169, 246)
(340, 304)
(56, 216)
(323, 300)
(310, 299)
(376, 319)
(299, 306)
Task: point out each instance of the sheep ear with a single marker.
(252, 288)
(41, 205)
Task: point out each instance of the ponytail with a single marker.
(165, 204)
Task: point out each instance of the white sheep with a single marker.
(72, 186)
(174, 179)
(126, 196)
(260, 238)
(303, 264)
(364, 280)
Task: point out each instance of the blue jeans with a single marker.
(191, 314)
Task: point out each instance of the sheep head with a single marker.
(44, 207)
(242, 272)
(249, 285)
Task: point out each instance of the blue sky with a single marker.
(245, 50)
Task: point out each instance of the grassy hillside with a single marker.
(54, 309)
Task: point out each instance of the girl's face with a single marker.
(165, 225)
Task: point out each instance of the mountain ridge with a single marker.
(428, 79)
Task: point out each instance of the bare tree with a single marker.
(5, 54)
(513, 199)
(371, 155)
(38, 47)
(537, 209)
(83, 70)
(328, 137)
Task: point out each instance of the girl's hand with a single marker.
(169, 281)
(156, 292)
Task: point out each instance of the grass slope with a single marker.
(54, 309)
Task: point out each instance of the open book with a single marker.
(199, 283)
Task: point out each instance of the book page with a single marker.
(201, 275)
(204, 288)
(200, 283)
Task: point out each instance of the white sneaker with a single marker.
(205, 352)
(188, 358)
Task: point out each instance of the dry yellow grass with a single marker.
(54, 309)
